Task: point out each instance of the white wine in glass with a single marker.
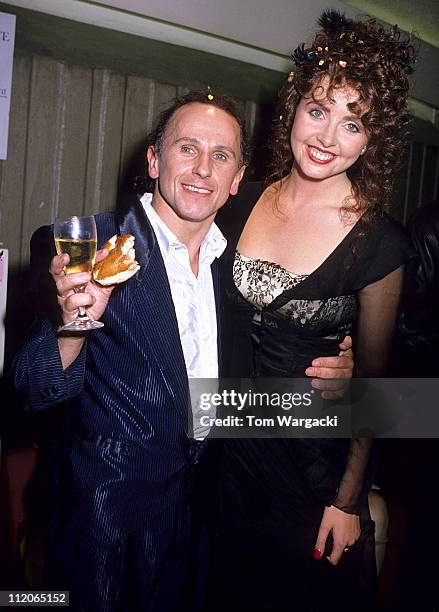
(77, 237)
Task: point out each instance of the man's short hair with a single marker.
(225, 103)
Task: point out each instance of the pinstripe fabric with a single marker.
(146, 570)
(124, 455)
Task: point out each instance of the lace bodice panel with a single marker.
(260, 282)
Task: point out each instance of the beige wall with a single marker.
(73, 132)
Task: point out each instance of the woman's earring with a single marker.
(363, 150)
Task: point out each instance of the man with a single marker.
(119, 533)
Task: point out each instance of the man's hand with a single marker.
(94, 298)
(332, 374)
(345, 530)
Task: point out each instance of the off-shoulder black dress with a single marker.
(272, 492)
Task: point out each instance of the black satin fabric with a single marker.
(267, 567)
(277, 344)
(272, 492)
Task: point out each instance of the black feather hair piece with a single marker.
(334, 23)
(302, 55)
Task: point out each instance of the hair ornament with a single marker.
(334, 24)
(291, 76)
(342, 44)
(209, 93)
(302, 55)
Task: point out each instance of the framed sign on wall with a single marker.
(7, 38)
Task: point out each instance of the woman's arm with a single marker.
(378, 308)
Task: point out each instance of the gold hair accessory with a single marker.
(209, 93)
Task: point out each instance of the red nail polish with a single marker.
(317, 554)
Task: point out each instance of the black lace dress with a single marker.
(272, 492)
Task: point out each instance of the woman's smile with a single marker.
(319, 156)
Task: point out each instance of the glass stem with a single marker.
(82, 313)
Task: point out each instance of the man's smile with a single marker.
(195, 189)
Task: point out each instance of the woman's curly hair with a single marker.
(376, 62)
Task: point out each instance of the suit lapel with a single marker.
(216, 277)
(152, 304)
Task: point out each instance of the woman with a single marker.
(313, 257)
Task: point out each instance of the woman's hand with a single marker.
(345, 530)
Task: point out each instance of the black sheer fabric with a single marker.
(280, 487)
(377, 307)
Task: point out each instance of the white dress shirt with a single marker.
(193, 296)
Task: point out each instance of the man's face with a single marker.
(198, 165)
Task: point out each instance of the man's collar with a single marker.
(213, 244)
(165, 237)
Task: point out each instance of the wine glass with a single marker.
(77, 237)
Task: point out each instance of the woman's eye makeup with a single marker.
(316, 112)
(351, 126)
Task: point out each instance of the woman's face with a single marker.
(326, 137)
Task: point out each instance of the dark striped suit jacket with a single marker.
(124, 454)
